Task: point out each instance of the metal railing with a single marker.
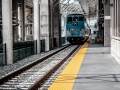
(2, 54)
(21, 50)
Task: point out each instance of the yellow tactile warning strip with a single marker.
(66, 79)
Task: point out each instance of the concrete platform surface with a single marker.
(99, 70)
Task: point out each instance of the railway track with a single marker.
(53, 77)
(32, 76)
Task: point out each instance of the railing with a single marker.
(2, 54)
(43, 45)
(21, 50)
(63, 40)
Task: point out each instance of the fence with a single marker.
(63, 40)
(2, 54)
(20, 50)
(23, 49)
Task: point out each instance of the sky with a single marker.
(71, 1)
(92, 22)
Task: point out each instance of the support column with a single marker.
(7, 29)
(20, 24)
(15, 18)
(37, 24)
(118, 17)
(45, 22)
(107, 25)
(23, 19)
(59, 23)
(52, 21)
(65, 21)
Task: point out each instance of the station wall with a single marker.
(44, 22)
(115, 29)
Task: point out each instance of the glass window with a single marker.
(80, 18)
(75, 18)
(69, 19)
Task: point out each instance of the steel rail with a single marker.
(46, 76)
(26, 67)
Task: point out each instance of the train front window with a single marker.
(69, 19)
(75, 18)
(80, 18)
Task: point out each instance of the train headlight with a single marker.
(81, 29)
(69, 30)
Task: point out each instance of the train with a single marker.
(77, 28)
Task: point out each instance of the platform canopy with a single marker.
(86, 7)
(89, 7)
(70, 6)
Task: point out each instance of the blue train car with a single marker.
(77, 29)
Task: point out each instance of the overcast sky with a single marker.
(71, 1)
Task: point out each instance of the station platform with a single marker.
(92, 68)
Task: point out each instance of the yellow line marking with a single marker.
(66, 79)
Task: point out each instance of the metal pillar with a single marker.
(107, 25)
(15, 18)
(65, 21)
(7, 29)
(20, 23)
(23, 19)
(59, 23)
(52, 21)
(37, 24)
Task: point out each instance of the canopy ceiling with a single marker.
(86, 7)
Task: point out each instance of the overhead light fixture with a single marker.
(105, 3)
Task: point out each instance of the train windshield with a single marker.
(69, 20)
(75, 18)
(80, 18)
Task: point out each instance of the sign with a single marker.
(107, 17)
